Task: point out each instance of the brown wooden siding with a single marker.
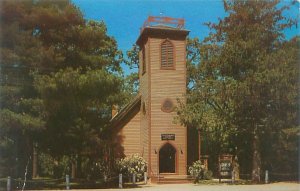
(144, 117)
(142, 134)
(167, 84)
(131, 136)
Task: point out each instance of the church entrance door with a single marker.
(167, 159)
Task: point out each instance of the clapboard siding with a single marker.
(144, 117)
(131, 136)
(142, 134)
(167, 84)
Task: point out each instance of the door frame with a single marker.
(176, 157)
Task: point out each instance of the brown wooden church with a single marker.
(147, 123)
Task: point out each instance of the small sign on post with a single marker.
(120, 181)
(225, 166)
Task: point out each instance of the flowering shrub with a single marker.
(133, 164)
(199, 172)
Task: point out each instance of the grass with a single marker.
(224, 181)
(48, 183)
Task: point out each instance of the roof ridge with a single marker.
(126, 108)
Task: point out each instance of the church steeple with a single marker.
(147, 123)
(162, 75)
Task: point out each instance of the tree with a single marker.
(132, 80)
(21, 113)
(78, 111)
(47, 49)
(90, 78)
(193, 57)
(237, 92)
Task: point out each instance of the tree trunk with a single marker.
(236, 168)
(73, 170)
(199, 145)
(256, 160)
(78, 166)
(34, 162)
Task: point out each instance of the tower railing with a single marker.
(168, 21)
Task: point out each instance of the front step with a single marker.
(172, 179)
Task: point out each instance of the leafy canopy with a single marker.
(243, 82)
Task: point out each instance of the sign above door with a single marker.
(166, 137)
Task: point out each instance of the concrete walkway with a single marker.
(200, 187)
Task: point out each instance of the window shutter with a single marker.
(167, 59)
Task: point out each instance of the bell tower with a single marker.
(162, 74)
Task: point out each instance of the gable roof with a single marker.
(126, 110)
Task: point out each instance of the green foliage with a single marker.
(90, 168)
(133, 164)
(243, 84)
(95, 169)
(46, 165)
(193, 52)
(133, 57)
(196, 169)
(51, 167)
(131, 86)
(60, 74)
(77, 107)
(199, 172)
(207, 175)
(24, 121)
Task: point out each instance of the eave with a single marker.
(123, 113)
(161, 30)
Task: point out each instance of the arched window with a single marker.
(167, 55)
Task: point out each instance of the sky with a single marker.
(124, 18)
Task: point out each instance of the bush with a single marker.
(133, 164)
(95, 169)
(207, 174)
(54, 168)
(199, 172)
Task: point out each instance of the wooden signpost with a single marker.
(225, 166)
